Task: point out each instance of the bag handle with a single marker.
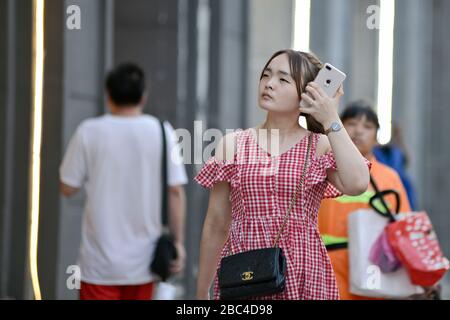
(165, 217)
(380, 195)
(294, 196)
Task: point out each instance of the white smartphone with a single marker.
(329, 79)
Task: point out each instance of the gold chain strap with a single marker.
(294, 196)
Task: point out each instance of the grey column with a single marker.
(228, 66)
(187, 107)
(421, 105)
(264, 39)
(412, 77)
(436, 123)
(73, 91)
(339, 35)
(15, 96)
(217, 46)
(145, 32)
(6, 119)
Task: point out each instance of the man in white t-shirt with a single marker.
(117, 159)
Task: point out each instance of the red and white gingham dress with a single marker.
(261, 190)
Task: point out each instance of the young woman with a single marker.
(253, 176)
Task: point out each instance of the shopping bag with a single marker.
(383, 255)
(415, 243)
(366, 278)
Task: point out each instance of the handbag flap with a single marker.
(250, 267)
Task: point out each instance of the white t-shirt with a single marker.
(118, 160)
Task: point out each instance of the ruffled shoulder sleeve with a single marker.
(317, 174)
(215, 171)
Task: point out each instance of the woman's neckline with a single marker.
(253, 135)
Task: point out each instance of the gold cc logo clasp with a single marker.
(246, 276)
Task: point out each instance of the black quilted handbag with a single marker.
(257, 272)
(165, 252)
(252, 273)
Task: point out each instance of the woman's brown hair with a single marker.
(304, 69)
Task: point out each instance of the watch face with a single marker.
(335, 126)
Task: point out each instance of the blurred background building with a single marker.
(202, 59)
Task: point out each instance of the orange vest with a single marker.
(333, 215)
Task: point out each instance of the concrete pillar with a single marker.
(412, 77)
(436, 124)
(339, 35)
(420, 105)
(228, 65)
(145, 32)
(216, 51)
(270, 30)
(187, 107)
(15, 98)
(73, 91)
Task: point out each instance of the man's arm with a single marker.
(66, 190)
(73, 169)
(177, 208)
(177, 214)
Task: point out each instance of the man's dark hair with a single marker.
(358, 109)
(126, 84)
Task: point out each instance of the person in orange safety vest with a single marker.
(361, 123)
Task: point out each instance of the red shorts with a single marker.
(101, 292)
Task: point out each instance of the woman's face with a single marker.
(277, 88)
(363, 134)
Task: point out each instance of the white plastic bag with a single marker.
(366, 279)
(165, 291)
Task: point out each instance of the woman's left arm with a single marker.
(352, 176)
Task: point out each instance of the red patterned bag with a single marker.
(414, 242)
